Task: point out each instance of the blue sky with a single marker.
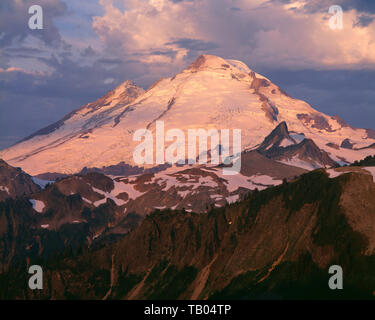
(88, 47)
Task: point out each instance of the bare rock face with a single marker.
(316, 121)
(276, 137)
(281, 146)
(346, 144)
(14, 182)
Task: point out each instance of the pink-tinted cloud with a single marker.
(293, 34)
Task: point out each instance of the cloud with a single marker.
(314, 6)
(363, 21)
(14, 19)
(31, 100)
(88, 52)
(193, 44)
(292, 34)
(46, 74)
(347, 93)
(15, 69)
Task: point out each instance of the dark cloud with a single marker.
(364, 6)
(14, 18)
(363, 21)
(110, 61)
(23, 50)
(347, 93)
(168, 53)
(367, 6)
(88, 52)
(30, 101)
(178, 1)
(194, 44)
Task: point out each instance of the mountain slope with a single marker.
(14, 182)
(211, 93)
(277, 243)
(279, 145)
(89, 208)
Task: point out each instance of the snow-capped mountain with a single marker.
(212, 93)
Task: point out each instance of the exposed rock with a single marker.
(316, 121)
(346, 144)
(14, 182)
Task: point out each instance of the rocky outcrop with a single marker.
(14, 182)
(280, 146)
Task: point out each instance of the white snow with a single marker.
(3, 188)
(170, 178)
(96, 236)
(86, 200)
(232, 199)
(265, 180)
(129, 188)
(296, 162)
(236, 181)
(38, 205)
(298, 137)
(208, 98)
(120, 187)
(332, 173)
(371, 170)
(183, 194)
(286, 142)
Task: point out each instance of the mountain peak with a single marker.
(278, 137)
(216, 92)
(207, 61)
(127, 84)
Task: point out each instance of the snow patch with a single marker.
(332, 173)
(232, 199)
(6, 189)
(296, 162)
(38, 205)
(119, 188)
(86, 200)
(160, 208)
(286, 142)
(265, 180)
(298, 137)
(372, 171)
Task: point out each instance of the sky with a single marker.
(88, 47)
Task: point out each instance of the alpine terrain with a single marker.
(212, 93)
(73, 200)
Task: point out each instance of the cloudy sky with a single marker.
(88, 47)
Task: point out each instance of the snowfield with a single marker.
(213, 93)
(38, 205)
